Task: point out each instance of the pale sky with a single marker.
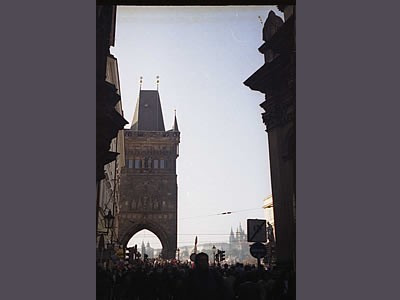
(202, 55)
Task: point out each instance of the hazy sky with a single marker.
(202, 55)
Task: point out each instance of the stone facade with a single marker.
(108, 170)
(109, 125)
(108, 120)
(269, 210)
(149, 181)
(276, 79)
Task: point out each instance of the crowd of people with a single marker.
(165, 280)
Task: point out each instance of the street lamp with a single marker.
(109, 220)
(213, 249)
(178, 253)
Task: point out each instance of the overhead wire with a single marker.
(220, 214)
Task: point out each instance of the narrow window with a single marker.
(130, 164)
(137, 163)
(155, 164)
(162, 164)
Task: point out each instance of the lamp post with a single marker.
(109, 220)
(213, 249)
(109, 225)
(178, 253)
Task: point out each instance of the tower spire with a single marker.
(175, 126)
(231, 236)
(158, 81)
(140, 83)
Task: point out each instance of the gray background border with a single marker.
(48, 150)
(348, 150)
(347, 147)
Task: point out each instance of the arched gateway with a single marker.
(148, 180)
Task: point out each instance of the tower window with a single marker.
(137, 163)
(162, 164)
(155, 164)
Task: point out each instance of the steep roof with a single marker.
(148, 113)
(175, 126)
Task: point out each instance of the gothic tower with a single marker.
(149, 180)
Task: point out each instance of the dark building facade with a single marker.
(109, 116)
(149, 180)
(108, 120)
(276, 79)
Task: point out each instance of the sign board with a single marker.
(258, 250)
(256, 230)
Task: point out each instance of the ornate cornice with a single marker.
(277, 112)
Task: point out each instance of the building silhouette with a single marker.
(149, 180)
(276, 79)
(149, 250)
(109, 130)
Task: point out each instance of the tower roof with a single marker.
(175, 126)
(148, 113)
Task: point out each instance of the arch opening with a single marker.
(163, 233)
(147, 243)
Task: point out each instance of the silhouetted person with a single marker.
(249, 289)
(104, 283)
(203, 283)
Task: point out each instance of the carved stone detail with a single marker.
(276, 113)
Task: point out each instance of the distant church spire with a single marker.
(231, 237)
(143, 248)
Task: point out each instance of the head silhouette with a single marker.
(201, 261)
